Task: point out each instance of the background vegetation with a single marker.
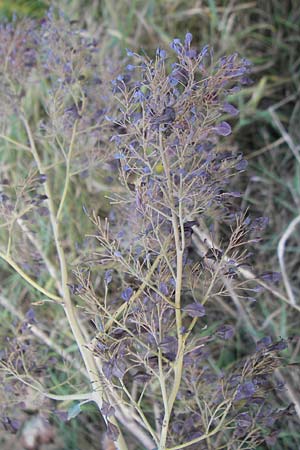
(267, 131)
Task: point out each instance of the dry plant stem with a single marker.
(141, 413)
(241, 311)
(271, 317)
(266, 148)
(178, 232)
(28, 279)
(123, 414)
(203, 242)
(68, 164)
(67, 302)
(249, 275)
(281, 128)
(136, 431)
(280, 252)
(89, 396)
(163, 388)
(136, 295)
(51, 269)
(42, 336)
(16, 143)
(206, 435)
(290, 391)
(127, 417)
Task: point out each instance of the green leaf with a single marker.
(74, 410)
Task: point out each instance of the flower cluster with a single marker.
(174, 246)
(176, 171)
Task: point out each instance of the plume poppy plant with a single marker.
(145, 279)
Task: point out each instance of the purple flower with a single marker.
(230, 109)
(245, 390)
(139, 96)
(173, 81)
(163, 288)
(244, 420)
(108, 276)
(160, 53)
(225, 332)
(223, 129)
(129, 52)
(119, 156)
(146, 170)
(194, 310)
(204, 51)
(242, 164)
(259, 224)
(176, 45)
(188, 39)
(42, 178)
(30, 316)
(126, 294)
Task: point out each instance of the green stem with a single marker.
(68, 165)
(16, 143)
(29, 280)
(178, 232)
(67, 301)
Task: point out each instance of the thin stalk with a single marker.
(206, 435)
(16, 143)
(28, 279)
(67, 178)
(67, 301)
(178, 232)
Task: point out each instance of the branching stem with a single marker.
(178, 232)
(67, 301)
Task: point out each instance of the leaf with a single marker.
(230, 109)
(126, 294)
(242, 164)
(108, 276)
(223, 129)
(74, 410)
(195, 310)
(119, 368)
(245, 390)
(244, 420)
(168, 344)
(225, 332)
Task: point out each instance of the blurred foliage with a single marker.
(22, 8)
